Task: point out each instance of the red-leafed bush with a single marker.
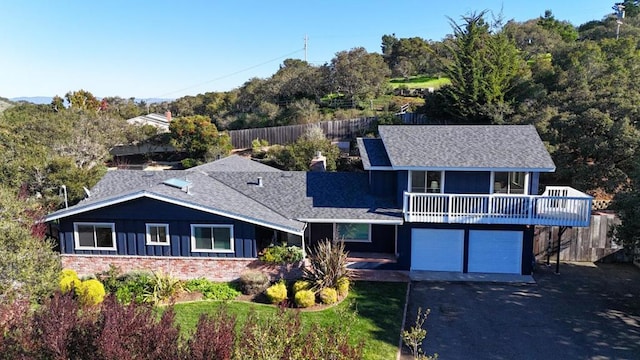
(214, 337)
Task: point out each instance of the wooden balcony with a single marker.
(557, 206)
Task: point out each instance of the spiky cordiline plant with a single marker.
(327, 264)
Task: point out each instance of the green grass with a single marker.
(379, 308)
(419, 82)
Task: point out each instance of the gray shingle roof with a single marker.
(205, 192)
(314, 195)
(372, 153)
(233, 163)
(466, 147)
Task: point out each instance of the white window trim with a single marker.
(336, 236)
(441, 185)
(527, 179)
(231, 238)
(76, 236)
(150, 241)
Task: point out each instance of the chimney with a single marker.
(318, 163)
(168, 115)
(260, 184)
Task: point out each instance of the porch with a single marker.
(557, 206)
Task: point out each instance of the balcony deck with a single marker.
(557, 206)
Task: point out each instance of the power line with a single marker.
(231, 74)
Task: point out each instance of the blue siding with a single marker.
(467, 182)
(130, 221)
(403, 183)
(382, 238)
(534, 182)
(404, 241)
(383, 183)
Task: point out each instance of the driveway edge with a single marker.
(404, 318)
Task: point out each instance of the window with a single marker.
(157, 234)
(509, 182)
(95, 236)
(426, 181)
(212, 238)
(353, 232)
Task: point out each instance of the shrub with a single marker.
(300, 285)
(214, 337)
(68, 280)
(165, 286)
(282, 254)
(277, 293)
(253, 282)
(328, 296)
(343, 287)
(327, 265)
(90, 292)
(414, 337)
(135, 287)
(305, 298)
(110, 278)
(212, 290)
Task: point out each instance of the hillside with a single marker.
(5, 104)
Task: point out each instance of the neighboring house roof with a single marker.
(233, 163)
(373, 154)
(465, 147)
(157, 120)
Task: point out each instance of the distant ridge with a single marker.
(47, 99)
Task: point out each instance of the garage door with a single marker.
(437, 249)
(492, 251)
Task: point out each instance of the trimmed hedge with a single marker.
(328, 296)
(277, 293)
(305, 298)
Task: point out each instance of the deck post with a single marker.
(561, 231)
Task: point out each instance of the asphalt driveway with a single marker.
(587, 312)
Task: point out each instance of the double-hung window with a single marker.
(212, 238)
(157, 234)
(94, 236)
(350, 232)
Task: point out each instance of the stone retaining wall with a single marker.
(215, 269)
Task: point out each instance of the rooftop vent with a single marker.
(260, 184)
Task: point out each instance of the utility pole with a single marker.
(618, 11)
(306, 40)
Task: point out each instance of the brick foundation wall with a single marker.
(215, 269)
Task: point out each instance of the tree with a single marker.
(562, 28)
(359, 74)
(198, 137)
(28, 265)
(484, 68)
(627, 206)
(298, 155)
(82, 100)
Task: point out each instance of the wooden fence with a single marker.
(334, 130)
(580, 243)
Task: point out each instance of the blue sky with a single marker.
(171, 48)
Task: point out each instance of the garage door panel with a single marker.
(437, 249)
(495, 251)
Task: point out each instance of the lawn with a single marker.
(419, 82)
(379, 307)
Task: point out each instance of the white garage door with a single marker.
(492, 251)
(437, 249)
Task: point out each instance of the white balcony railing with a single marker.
(557, 206)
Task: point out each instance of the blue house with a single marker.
(435, 198)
